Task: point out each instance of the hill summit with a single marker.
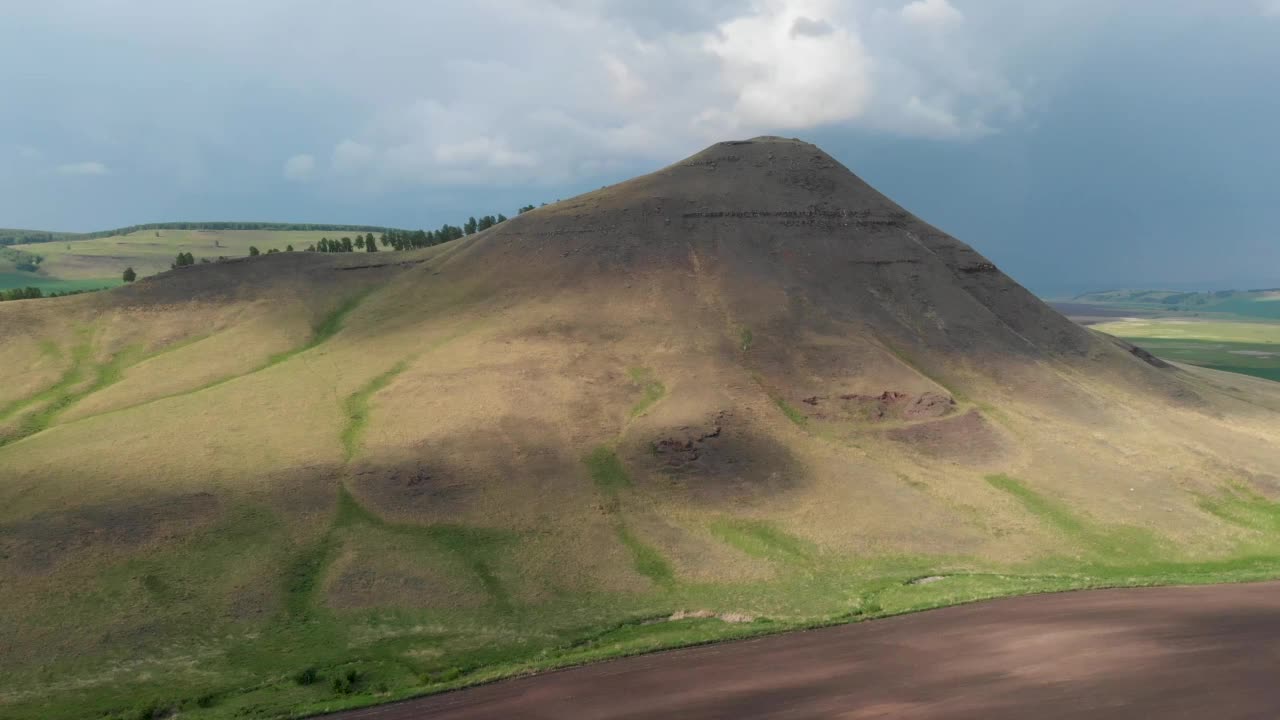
(743, 393)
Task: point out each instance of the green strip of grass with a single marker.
(652, 390)
(648, 561)
(328, 327)
(73, 375)
(65, 394)
(791, 412)
(1047, 510)
(1108, 544)
(357, 408)
(1241, 506)
(477, 548)
(607, 470)
(762, 539)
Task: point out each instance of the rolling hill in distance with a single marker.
(62, 262)
(742, 394)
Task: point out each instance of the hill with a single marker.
(742, 394)
(1260, 303)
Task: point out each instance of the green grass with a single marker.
(1105, 543)
(70, 378)
(652, 390)
(607, 470)
(357, 408)
(1221, 331)
(323, 331)
(1050, 512)
(791, 412)
(648, 561)
(328, 326)
(49, 285)
(745, 339)
(69, 389)
(762, 539)
(1245, 348)
(414, 652)
(1241, 506)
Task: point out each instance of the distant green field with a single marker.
(1248, 348)
(9, 280)
(1245, 303)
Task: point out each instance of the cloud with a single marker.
(83, 168)
(931, 13)
(483, 151)
(558, 90)
(1269, 8)
(787, 80)
(299, 167)
(811, 28)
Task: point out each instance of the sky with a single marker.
(1079, 144)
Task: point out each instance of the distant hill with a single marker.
(9, 236)
(1264, 303)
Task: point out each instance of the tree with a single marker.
(470, 227)
(385, 241)
(526, 209)
(370, 245)
(346, 245)
(288, 248)
(130, 275)
(368, 240)
(184, 259)
(253, 251)
(502, 218)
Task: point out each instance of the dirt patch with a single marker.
(421, 488)
(968, 437)
(927, 580)
(720, 459)
(39, 543)
(889, 405)
(730, 617)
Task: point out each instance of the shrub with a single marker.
(346, 683)
(307, 677)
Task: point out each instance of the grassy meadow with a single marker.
(1249, 346)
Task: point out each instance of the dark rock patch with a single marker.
(720, 460)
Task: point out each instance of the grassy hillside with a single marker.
(744, 394)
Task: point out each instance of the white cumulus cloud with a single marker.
(792, 64)
(931, 13)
